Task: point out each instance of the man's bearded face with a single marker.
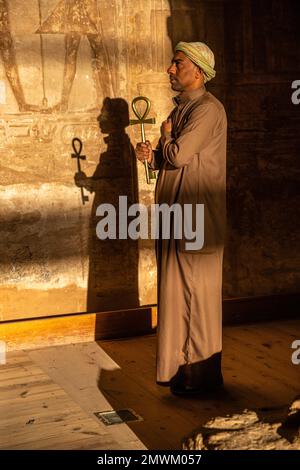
(182, 72)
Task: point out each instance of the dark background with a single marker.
(257, 52)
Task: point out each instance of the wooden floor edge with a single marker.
(261, 308)
(75, 328)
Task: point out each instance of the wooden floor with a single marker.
(48, 396)
(257, 369)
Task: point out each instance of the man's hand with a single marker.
(166, 128)
(143, 151)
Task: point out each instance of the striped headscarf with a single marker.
(201, 55)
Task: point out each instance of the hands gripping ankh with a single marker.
(144, 147)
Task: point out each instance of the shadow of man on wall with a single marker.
(113, 263)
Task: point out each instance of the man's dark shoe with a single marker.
(197, 378)
(187, 390)
(181, 388)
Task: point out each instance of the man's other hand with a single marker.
(143, 151)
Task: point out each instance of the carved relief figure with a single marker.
(76, 19)
(7, 52)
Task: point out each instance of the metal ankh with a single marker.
(141, 119)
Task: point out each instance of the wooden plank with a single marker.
(261, 308)
(29, 334)
(67, 329)
(78, 369)
(36, 413)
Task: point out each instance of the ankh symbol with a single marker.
(141, 119)
(79, 157)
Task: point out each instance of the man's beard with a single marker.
(175, 85)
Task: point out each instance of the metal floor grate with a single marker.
(118, 416)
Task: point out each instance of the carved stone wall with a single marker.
(257, 50)
(59, 61)
(262, 52)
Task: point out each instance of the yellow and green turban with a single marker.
(201, 55)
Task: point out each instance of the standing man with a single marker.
(191, 157)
